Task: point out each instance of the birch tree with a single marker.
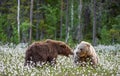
(67, 27)
(72, 13)
(18, 20)
(79, 28)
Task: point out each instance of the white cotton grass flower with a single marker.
(108, 47)
(2, 66)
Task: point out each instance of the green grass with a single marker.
(12, 61)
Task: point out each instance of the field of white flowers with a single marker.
(12, 61)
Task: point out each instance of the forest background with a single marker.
(96, 21)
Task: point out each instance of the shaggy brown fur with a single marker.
(46, 51)
(85, 53)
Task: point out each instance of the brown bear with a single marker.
(85, 54)
(46, 52)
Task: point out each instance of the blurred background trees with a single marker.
(97, 21)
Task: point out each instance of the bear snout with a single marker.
(77, 53)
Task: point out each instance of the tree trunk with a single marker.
(67, 27)
(79, 28)
(72, 13)
(38, 21)
(31, 14)
(18, 20)
(42, 17)
(99, 19)
(94, 22)
(86, 15)
(61, 19)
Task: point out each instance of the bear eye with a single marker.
(81, 49)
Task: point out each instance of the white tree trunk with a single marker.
(18, 19)
(72, 14)
(67, 26)
(79, 28)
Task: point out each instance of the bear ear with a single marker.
(88, 45)
(47, 40)
(62, 45)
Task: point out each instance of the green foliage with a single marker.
(115, 30)
(51, 19)
(105, 37)
(51, 15)
(14, 38)
(3, 24)
(46, 20)
(25, 26)
(42, 25)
